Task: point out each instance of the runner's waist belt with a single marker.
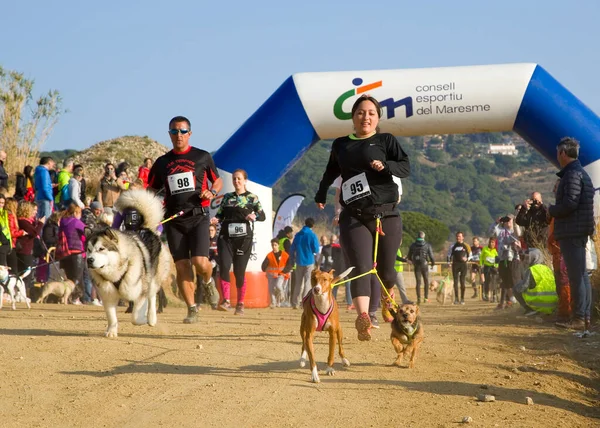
(381, 211)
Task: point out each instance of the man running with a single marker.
(185, 173)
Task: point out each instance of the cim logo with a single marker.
(389, 103)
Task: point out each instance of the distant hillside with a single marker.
(131, 149)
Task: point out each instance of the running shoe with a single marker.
(225, 306)
(530, 313)
(192, 315)
(374, 322)
(425, 300)
(456, 302)
(574, 324)
(512, 299)
(462, 302)
(363, 326)
(418, 300)
(96, 302)
(475, 295)
(239, 309)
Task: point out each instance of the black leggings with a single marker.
(459, 272)
(73, 267)
(357, 239)
(236, 251)
(422, 271)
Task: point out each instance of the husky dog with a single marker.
(15, 286)
(130, 265)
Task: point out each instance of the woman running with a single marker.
(237, 213)
(367, 160)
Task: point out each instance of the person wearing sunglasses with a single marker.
(109, 189)
(191, 181)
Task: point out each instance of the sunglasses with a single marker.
(178, 131)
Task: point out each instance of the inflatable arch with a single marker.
(308, 107)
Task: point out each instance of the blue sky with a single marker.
(127, 67)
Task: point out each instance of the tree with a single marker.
(25, 122)
(435, 231)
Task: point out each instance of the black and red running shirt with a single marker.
(184, 175)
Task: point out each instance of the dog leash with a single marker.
(174, 216)
(378, 231)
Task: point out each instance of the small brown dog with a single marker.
(407, 333)
(321, 314)
(62, 289)
(443, 290)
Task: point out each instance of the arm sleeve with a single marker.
(287, 245)
(430, 254)
(332, 171)
(397, 162)
(570, 201)
(260, 214)
(521, 218)
(75, 192)
(154, 177)
(211, 170)
(47, 188)
(265, 263)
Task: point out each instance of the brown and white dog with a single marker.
(61, 288)
(15, 286)
(321, 313)
(407, 333)
(443, 290)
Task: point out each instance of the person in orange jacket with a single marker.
(278, 274)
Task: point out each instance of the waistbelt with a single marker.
(375, 211)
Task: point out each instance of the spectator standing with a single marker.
(43, 187)
(109, 190)
(420, 254)
(75, 189)
(573, 214)
(26, 217)
(399, 266)
(144, 171)
(534, 218)
(5, 235)
(82, 183)
(303, 250)
(49, 239)
(276, 266)
(15, 233)
(63, 197)
(71, 230)
(325, 259)
(24, 188)
(339, 265)
(3, 173)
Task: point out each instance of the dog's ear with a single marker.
(393, 312)
(313, 277)
(110, 234)
(418, 311)
(343, 274)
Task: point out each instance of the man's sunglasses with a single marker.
(178, 131)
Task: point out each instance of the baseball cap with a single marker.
(96, 205)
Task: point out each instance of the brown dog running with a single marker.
(407, 333)
(62, 289)
(321, 314)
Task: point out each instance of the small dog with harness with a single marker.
(15, 286)
(443, 289)
(321, 313)
(407, 333)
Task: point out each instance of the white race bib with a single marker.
(181, 182)
(355, 188)
(491, 260)
(237, 229)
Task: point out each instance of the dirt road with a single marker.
(58, 370)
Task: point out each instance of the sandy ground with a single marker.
(58, 370)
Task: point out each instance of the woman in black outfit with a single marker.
(367, 160)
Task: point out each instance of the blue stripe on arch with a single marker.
(269, 143)
(549, 112)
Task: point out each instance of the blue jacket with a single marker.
(43, 184)
(304, 247)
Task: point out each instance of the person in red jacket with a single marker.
(144, 171)
(26, 217)
(277, 273)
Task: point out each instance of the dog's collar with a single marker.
(321, 318)
(415, 328)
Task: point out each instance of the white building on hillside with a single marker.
(503, 149)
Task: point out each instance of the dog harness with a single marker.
(321, 318)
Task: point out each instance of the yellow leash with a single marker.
(378, 231)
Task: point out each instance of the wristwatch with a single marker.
(213, 191)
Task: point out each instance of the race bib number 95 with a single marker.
(181, 182)
(355, 188)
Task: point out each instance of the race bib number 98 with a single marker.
(355, 188)
(181, 182)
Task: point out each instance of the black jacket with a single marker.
(535, 220)
(3, 176)
(420, 253)
(21, 187)
(574, 207)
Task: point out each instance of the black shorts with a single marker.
(475, 268)
(188, 236)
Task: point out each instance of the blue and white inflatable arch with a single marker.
(308, 107)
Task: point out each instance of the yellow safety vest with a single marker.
(398, 265)
(543, 297)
